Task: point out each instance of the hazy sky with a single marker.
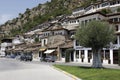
(10, 9)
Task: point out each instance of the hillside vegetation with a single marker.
(39, 14)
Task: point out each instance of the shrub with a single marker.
(106, 11)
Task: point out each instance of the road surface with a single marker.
(17, 70)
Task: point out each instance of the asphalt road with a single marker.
(17, 70)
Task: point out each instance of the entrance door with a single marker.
(72, 56)
(115, 57)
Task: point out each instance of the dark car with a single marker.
(42, 59)
(12, 56)
(22, 57)
(50, 59)
(29, 57)
(26, 57)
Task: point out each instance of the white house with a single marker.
(109, 55)
(107, 4)
(4, 44)
(55, 38)
(9, 42)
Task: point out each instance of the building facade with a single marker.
(109, 55)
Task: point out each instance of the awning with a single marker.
(49, 51)
(42, 48)
(117, 32)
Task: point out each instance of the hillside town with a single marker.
(53, 38)
(60, 40)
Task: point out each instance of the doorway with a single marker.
(115, 57)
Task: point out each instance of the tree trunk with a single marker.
(97, 59)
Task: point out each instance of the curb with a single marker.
(66, 73)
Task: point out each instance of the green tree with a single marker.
(95, 34)
(36, 39)
(118, 9)
(106, 11)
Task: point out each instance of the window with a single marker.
(72, 33)
(56, 33)
(107, 56)
(115, 42)
(111, 20)
(89, 20)
(48, 34)
(118, 19)
(88, 8)
(52, 33)
(118, 2)
(63, 54)
(77, 54)
(82, 22)
(60, 33)
(119, 39)
(115, 19)
(82, 54)
(89, 54)
(44, 41)
(112, 3)
(77, 43)
(86, 21)
(44, 34)
(98, 5)
(99, 18)
(116, 27)
(104, 4)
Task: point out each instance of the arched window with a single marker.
(44, 41)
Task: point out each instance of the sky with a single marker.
(10, 9)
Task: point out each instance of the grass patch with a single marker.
(86, 73)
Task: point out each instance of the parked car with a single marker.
(18, 57)
(12, 56)
(8, 56)
(22, 57)
(50, 59)
(42, 59)
(29, 57)
(26, 57)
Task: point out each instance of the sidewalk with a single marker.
(111, 66)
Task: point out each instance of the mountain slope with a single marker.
(39, 14)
